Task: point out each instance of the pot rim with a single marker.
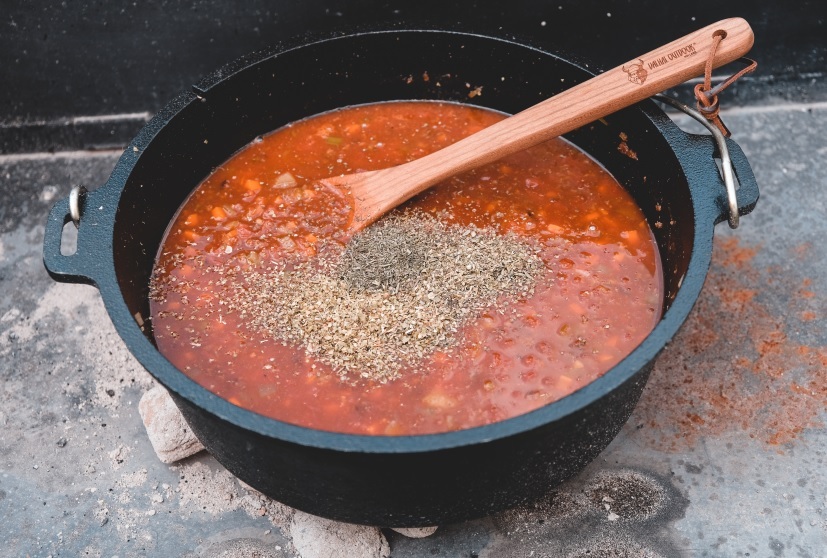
(181, 385)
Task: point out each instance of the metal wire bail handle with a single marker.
(76, 198)
(728, 174)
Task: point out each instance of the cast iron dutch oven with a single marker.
(406, 480)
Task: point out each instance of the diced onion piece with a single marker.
(565, 382)
(438, 400)
(285, 180)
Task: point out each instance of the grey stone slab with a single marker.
(724, 455)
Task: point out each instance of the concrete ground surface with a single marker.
(725, 455)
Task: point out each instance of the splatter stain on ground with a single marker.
(743, 361)
(602, 513)
(626, 495)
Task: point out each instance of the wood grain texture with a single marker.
(377, 192)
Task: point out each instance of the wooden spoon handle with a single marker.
(629, 83)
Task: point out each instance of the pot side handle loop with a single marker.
(79, 267)
(747, 194)
(735, 174)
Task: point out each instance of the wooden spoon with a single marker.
(376, 192)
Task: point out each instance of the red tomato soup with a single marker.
(597, 296)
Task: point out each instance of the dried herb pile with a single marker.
(399, 291)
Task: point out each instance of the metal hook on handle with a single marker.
(76, 196)
(726, 163)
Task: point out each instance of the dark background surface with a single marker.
(80, 75)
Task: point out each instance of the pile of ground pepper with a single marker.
(396, 293)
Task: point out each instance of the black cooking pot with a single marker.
(405, 480)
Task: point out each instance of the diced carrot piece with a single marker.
(218, 213)
(192, 220)
(252, 185)
(394, 429)
(374, 428)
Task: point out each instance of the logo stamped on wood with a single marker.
(639, 70)
(636, 72)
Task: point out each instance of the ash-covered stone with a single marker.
(168, 432)
(415, 532)
(316, 537)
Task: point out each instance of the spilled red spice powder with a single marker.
(734, 366)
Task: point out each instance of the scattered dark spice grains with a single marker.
(399, 291)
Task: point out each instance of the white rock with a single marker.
(415, 532)
(168, 432)
(315, 537)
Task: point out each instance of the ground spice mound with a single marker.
(398, 292)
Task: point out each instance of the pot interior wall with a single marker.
(234, 107)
